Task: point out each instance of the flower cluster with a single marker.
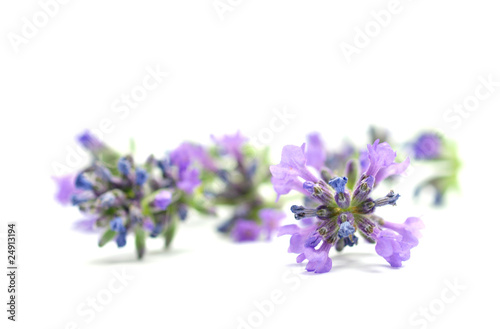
(344, 205)
(241, 171)
(431, 148)
(119, 197)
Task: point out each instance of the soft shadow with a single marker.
(150, 257)
(365, 262)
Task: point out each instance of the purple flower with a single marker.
(65, 188)
(303, 242)
(86, 225)
(186, 153)
(82, 197)
(162, 199)
(394, 243)
(427, 146)
(338, 215)
(319, 260)
(245, 230)
(364, 162)
(124, 166)
(117, 225)
(381, 157)
(89, 141)
(189, 180)
(231, 144)
(141, 176)
(83, 183)
(292, 166)
(316, 151)
(299, 236)
(271, 219)
(282, 187)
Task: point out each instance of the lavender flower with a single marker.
(271, 220)
(119, 198)
(65, 188)
(162, 200)
(245, 230)
(90, 142)
(316, 151)
(431, 148)
(342, 212)
(292, 167)
(427, 146)
(382, 165)
(241, 169)
(231, 144)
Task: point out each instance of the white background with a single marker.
(228, 74)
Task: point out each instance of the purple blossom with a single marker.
(299, 235)
(162, 199)
(231, 144)
(319, 260)
(271, 220)
(394, 243)
(65, 188)
(83, 183)
(187, 153)
(339, 216)
(141, 176)
(124, 166)
(86, 225)
(427, 146)
(303, 242)
(316, 151)
(282, 187)
(89, 141)
(245, 230)
(292, 166)
(364, 162)
(189, 180)
(381, 157)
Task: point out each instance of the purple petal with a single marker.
(271, 220)
(189, 180)
(245, 230)
(316, 151)
(65, 188)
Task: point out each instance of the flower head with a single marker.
(292, 167)
(245, 230)
(316, 151)
(427, 146)
(89, 141)
(381, 157)
(119, 198)
(271, 220)
(162, 199)
(231, 144)
(65, 188)
(342, 212)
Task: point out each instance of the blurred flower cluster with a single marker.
(120, 197)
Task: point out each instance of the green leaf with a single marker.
(140, 241)
(106, 237)
(170, 232)
(352, 173)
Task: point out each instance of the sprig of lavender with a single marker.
(342, 211)
(119, 197)
(236, 178)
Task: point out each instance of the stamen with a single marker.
(390, 198)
